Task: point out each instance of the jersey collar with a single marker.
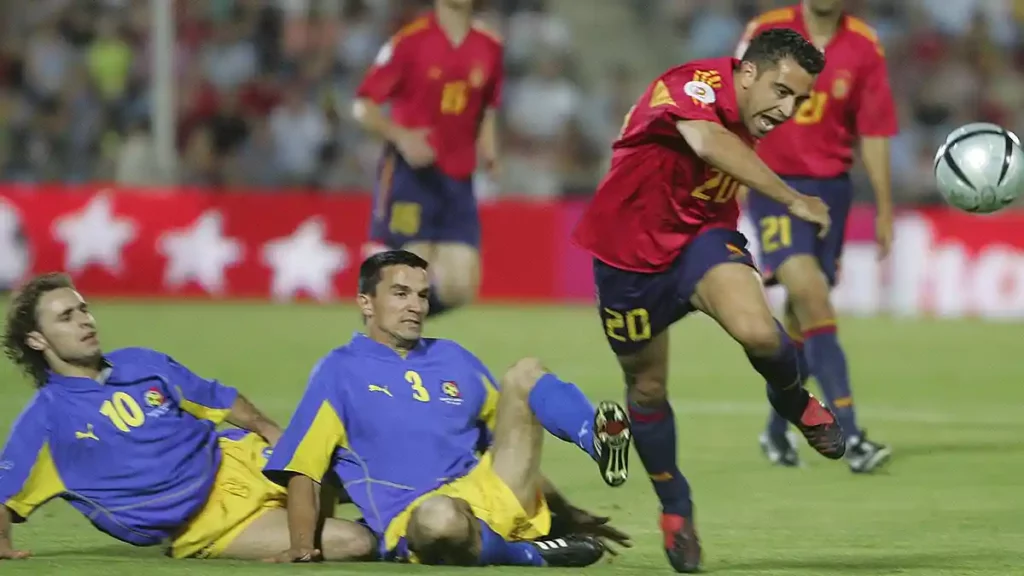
(106, 372)
(366, 345)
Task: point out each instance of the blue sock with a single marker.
(777, 425)
(785, 383)
(828, 364)
(564, 411)
(654, 435)
(496, 551)
(437, 307)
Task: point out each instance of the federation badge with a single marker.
(154, 397)
(841, 85)
(451, 390)
(477, 77)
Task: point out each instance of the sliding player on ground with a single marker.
(662, 231)
(443, 464)
(442, 76)
(851, 102)
(129, 439)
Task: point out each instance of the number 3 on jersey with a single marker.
(419, 393)
(124, 412)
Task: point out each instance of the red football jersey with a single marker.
(658, 194)
(433, 84)
(851, 98)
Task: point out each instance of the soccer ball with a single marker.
(980, 168)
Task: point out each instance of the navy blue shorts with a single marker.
(637, 306)
(421, 205)
(783, 235)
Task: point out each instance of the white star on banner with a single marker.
(94, 235)
(200, 253)
(305, 260)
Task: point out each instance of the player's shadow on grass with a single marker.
(980, 448)
(869, 563)
(119, 551)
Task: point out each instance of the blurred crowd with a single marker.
(263, 88)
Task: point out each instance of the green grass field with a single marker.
(947, 395)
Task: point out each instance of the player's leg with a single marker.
(455, 268)
(534, 400)
(654, 434)
(778, 443)
(808, 276)
(636, 310)
(340, 540)
(443, 530)
(729, 290)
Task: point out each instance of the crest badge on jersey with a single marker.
(477, 77)
(700, 91)
(841, 85)
(452, 394)
(154, 397)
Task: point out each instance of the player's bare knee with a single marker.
(758, 336)
(441, 531)
(811, 303)
(343, 540)
(457, 291)
(523, 376)
(646, 392)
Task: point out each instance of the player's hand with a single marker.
(415, 148)
(492, 167)
(297, 556)
(813, 210)
(9, 554)
(578, 521)
(883, 234)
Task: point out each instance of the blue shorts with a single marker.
(783, 235)
(637, 306)
(421, 205)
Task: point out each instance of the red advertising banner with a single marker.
(191, 243)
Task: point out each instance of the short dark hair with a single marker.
(770, 47)
(22, 319)
(372, 268)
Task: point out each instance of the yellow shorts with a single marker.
(492, 501)
(240, 495)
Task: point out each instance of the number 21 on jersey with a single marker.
(124, 412)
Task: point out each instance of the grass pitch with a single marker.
(947, 395)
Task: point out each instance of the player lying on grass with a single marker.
(129, 439)
(402, 421)
(662, 231)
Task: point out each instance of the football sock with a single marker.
(564, 411)
(785, 383)
(496, 551)
(654, 435)
(437, 306)
(828, 365)
(777, 425)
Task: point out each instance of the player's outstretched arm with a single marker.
(7, 551)
(568, 519)
(719, 147)
(245, 415)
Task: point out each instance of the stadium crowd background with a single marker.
(264, 87)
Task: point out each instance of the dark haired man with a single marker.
(662, 231)
(443, 464)
(129, 439)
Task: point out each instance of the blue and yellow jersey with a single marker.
(135, 451)
(390, 427)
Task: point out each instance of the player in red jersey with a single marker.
(662, 231)
(442, 75)
(851, 102)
